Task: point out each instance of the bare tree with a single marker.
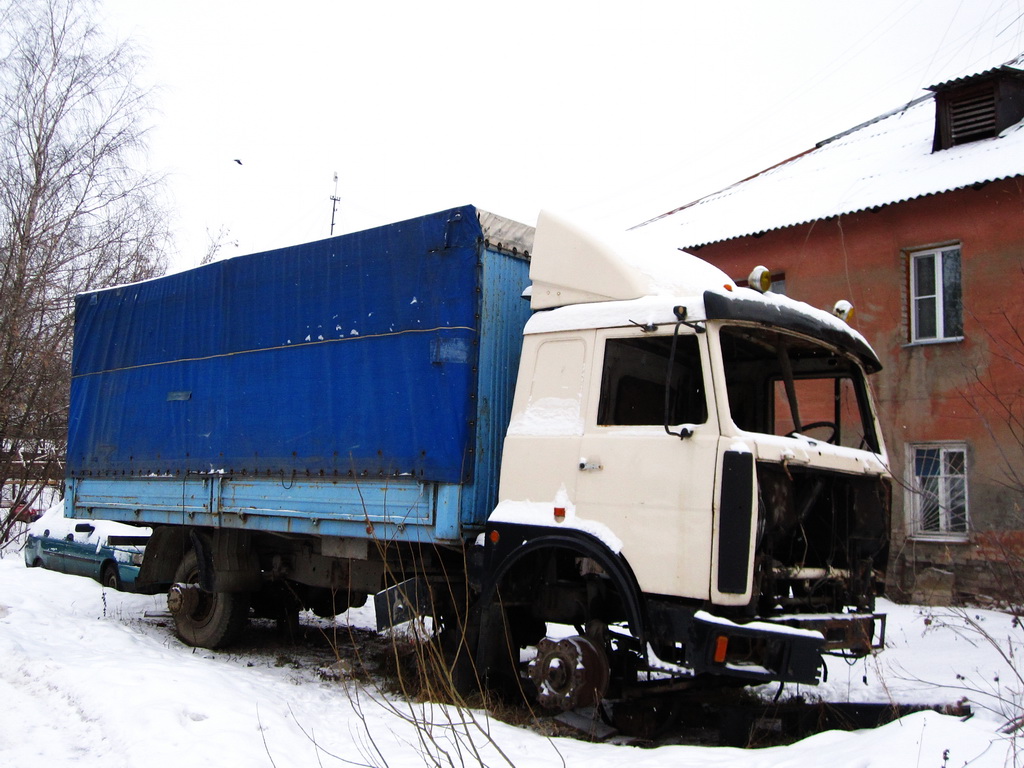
(75, 215)
(216, 243)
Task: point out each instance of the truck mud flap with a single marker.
(403, 602)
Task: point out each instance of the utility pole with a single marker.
(334, 202)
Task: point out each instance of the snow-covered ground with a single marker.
(87, 678)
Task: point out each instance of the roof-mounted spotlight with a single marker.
(760, 279)
(843, 310)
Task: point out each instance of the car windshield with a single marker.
(784, 384)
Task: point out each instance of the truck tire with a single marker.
(205, 619)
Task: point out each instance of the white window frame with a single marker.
(938, 296)
(940, 500)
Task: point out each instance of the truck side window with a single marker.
(633, 382)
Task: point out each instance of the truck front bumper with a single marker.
(756, 652)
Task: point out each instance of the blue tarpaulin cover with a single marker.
(354, 355)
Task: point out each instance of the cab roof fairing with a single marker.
(572, 264)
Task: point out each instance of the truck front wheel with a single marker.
(204, 619)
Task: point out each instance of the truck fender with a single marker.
(508, 543)
(164, 552)
(226, 559)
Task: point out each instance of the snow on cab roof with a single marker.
(886, 160)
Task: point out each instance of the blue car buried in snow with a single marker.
(107, 551)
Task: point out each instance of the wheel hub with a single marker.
(183, 599)
(569, 673)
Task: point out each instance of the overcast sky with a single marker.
(606, 110)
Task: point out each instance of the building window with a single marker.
(939, 490)
(936, 312)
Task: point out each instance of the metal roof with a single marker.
(1013, 69)
(883, 161)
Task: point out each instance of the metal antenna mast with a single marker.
(334, 202)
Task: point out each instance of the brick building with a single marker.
(917, 218)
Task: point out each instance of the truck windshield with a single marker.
(783, 384)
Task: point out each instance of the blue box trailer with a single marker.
(358, 386)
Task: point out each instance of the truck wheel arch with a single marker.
(517, 542)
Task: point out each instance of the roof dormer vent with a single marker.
(977, 107)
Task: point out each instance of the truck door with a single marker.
(653, 490)
(543, 441)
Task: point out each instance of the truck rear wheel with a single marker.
(204, 619)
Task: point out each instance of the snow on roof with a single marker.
(886, 160)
